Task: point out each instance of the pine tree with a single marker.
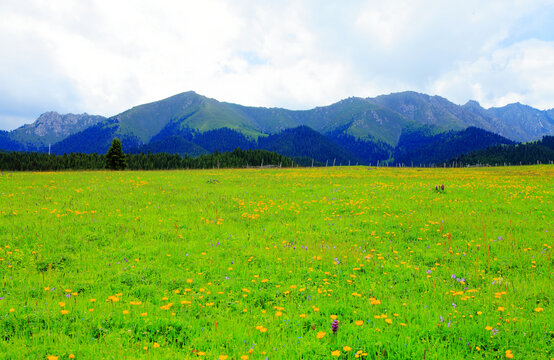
(115, 158)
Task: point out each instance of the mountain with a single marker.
(522, 122)
(6, 143)
(51, 127)
(399, 126)
(306, 142)
(424, 144)
(515, 121)
(355, 116)
(526, 154)
(423, 109)
(183, 111)
(95, 139)
(193, 142)
(189, 111)
(379, 119)
(172, 145)
(370, 151)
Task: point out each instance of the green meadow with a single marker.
(259, 264)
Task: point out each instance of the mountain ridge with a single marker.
(51, 127)
(363, 128)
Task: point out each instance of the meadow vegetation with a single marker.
(322, 263)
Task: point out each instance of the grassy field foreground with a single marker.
(256, 264)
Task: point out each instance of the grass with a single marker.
(259, 263)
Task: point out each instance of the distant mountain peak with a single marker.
(472, 103)
(51, 127)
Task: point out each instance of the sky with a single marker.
(103, 57)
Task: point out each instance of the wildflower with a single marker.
(321, 334)
(488, 328)
(347, 348)
(359, 322)
(71, 356)
(52, 357)
(244, 357)
(539, 309)
(222, 357)
(388, 321)
(156, 345)
(261, 328)
(302, 315)
(335, 353)
(335, 326)
(500, 308)
(64, 312)
(509, 354)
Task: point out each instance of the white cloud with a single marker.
(103, 56)
(522, 72)
(387, 23)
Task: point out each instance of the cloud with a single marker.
(103, 57)
(522, 72)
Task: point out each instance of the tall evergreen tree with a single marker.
(115, 158)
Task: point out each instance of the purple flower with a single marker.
(428, 271)
(454, 305)
(335, 326)
(453, 276)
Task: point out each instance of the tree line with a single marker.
(33, 161)
(540, 151)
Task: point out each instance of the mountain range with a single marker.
(406, 126)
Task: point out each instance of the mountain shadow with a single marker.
(426, 145)
(306, 142)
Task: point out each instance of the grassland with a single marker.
(256, 264)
